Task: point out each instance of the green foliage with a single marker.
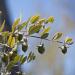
(2, 26)
(23, 59)
(34, 19)
(50, 19)
(10, 65)
(15, 24)
(13, 62)
(68, 40)
(57, 36)
(34, 29)
(4, 34)
(11, 40)
(45, 33)
(41, 21)
(24, 24)
(31, 57)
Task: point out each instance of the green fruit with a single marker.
(20, 36)
(64, 49)
(25, 39)
(24, 47)
(41, 49)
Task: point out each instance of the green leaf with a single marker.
(44, 36)
(15, 24)
(34, 29)
(2, 26)
(13, 62)
(31, 57)
(34, 19)
(23, 25)
(17, 58)
(41, 21)
(5, 33)
(57, 36)
(45, 33)
(11, 41)
(46, 30)
(50, 19)
(10, 65)
(23, 59)
(68, 40)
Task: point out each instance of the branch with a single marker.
(47, 39)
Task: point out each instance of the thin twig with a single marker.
(47, 39)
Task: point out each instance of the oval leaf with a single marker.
(68, 40)
(34, 29)
(44, 36)
(9, 40)
(51, 19)
(34, 19)
(12, 42)
(57, 36)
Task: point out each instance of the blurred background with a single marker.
(52, 62)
